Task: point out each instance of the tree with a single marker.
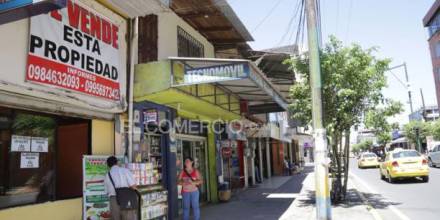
(376, 119)
(361, 147)
(435, 130)
(425, 129)
(352, 80)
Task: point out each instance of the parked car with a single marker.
(401, 164)
(368, 160)
(434, 157)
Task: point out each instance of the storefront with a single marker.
(204, 93)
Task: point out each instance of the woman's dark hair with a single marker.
(189, 158)
(111, 161)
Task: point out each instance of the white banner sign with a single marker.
(20, 143)
(77, 49)
(40, 144)
(29, 160)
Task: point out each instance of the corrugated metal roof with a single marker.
(134, 8)
(229, 13)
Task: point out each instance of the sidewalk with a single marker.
(284, 198)
(304, 205)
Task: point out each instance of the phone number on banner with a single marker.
(77, 81)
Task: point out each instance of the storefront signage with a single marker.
(76, 49)
(20, 143)
(29, 160)
(226, 152)
(96, 203)
(151, 116)
(214, 74)
(39, 144)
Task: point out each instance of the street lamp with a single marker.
(407, 85)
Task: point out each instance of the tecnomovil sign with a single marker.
(213, 74)
(12, 10)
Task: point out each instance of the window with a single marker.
(403, 154)
(437, 50)
(188, 46)
(38, 157)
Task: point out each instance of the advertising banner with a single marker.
(76, 49)
(96, 203)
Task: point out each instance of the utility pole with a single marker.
(423, 104)
(409, 88)
(323, 205)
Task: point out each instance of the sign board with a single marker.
(6, 5)
(20, 143)
(76, 49)
(29, 160)
(40, 144)
(151, 116)
(209, 74)
(96, 203)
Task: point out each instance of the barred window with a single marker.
(188, 46)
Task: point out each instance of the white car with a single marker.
(434, 156)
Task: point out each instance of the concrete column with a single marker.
(253, 147)
(260, 158)
(245, 167)
(268, 157)
(290, 152)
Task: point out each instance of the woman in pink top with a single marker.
(190, 179)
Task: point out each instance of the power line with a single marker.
(290, 24)
(267, 15)
(347, 32)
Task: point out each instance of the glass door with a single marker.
(199, 156)
(194, 147)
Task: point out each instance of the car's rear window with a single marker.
(403, 154)
(369, 155)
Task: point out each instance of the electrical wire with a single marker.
(347, 32)
(267, 15)
(290, 24)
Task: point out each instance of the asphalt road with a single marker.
(406, 199)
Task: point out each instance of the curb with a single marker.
(370, 208)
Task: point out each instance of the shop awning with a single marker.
(241, 78)
(135, 8)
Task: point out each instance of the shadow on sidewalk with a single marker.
(352, 200)
(253, 203)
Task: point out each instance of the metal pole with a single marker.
(323, 205)
(423, 104)
(408, 86)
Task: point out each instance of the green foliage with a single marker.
(376, 119)
(352, 81)
(363, 146)
(435, 130)
(425, 129)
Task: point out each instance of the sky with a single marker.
(394, 26)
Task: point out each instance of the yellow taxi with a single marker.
(368, 160)
(399, 164)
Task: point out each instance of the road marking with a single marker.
(282, 195)
(369, 206)
(390, 206)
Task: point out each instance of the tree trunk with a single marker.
(336, 168)
(347, 161)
